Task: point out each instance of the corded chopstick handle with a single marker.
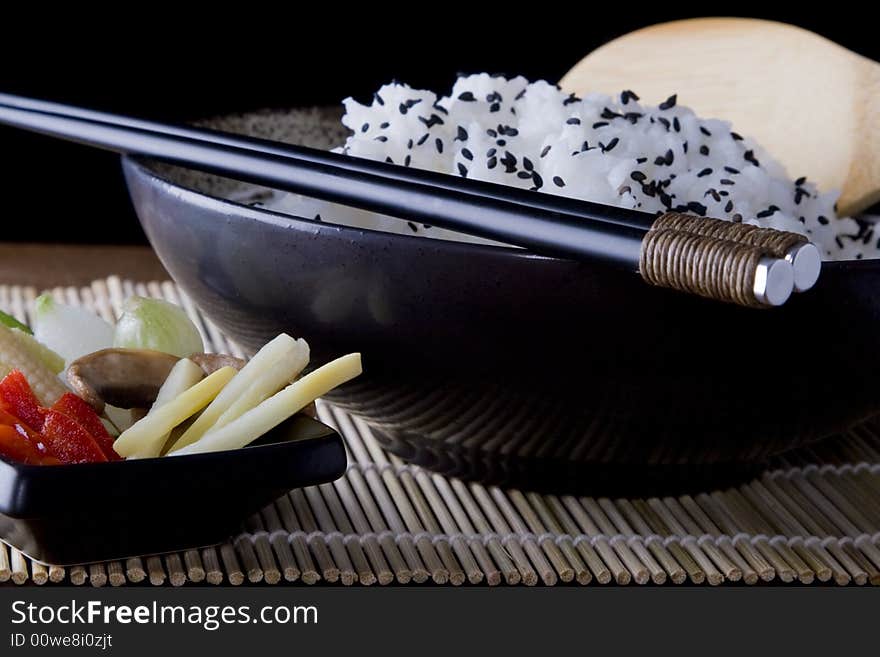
(715, 268)
(793, 247)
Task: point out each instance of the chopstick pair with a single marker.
(707, 257)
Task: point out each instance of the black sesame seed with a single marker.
(731, 170)
(684, 147)
(402, 108)
(537, 180)
(527, 164)
(494, 107)
(438, 144)
(705, 131)
(388, 160)
(726, 181)
(749, 156)
(800, 181)
(627, 96)
(568, 101)
(573, 121)
(704, 150)
(378, 99)
(545, 150)
(409, 143)
(736, 136)
(423, 139)
(632, 117)
(365, 127)
(466, 154)
(559, 182)
(462, 134)
(665, 122)
(501, 142)
(462, 169)
(608, 114)
(669, 103)
(491, 133)
(729, 206)
(599, 124)
(523, 93)
(466, 96)
(491, 152)
(407, 160)
(381, 138)
(638, 176)
(705, 172)
(415, 228)
(676, 125)
(492, 163)
(610, 145)
(697, 208)
(523, 175)
(641, 160)
(822, 220)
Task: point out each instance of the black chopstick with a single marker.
(550, 202)
(330, 177)
(543, 223)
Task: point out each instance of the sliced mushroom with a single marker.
(126, 378)
(210, 363)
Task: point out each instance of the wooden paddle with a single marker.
(814, 105)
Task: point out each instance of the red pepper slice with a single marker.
(80, 411)
(69, 441)
(18, 399)
(16, 445)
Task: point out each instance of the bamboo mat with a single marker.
(814, 516)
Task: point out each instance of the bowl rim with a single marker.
(142, 166)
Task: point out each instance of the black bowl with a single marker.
(68, 514)
(496, 363)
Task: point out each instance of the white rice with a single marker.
(609, 150)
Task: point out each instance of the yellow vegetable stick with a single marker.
(279, 407)
(183, 376)
(281, 348)
(168, 416)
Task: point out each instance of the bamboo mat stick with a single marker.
(760, 524)
(5, 563)
(281, 544)
(56, 574)
(786, 525)
(524, 521)
(583, 544)
(347, 572)
(729, 569)
(234, 574)
(644, 552)
(510, 564)
(694, 572)
(366, 517)
(329, 569)
(384, 555)
(155, 571)
(270, 572)
(755, 559)
(19, 567)
(353, 543)
(390, 513)
(308, 569)
(134, 570)
(361, 448)
(527, 570)
(550, 523)
(115, 573)
(460, 520)
(251, 565)
(601, 543)
(562, 555)
(640, 572)
(39, 573)
(78, 575)
(213, 569)
(725, 544)
(454, 554)
(195, 571)
(445, 524)
(671, 527)
(98, 575)
(810, 517)
(174, 568)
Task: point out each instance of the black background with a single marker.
(148, 60)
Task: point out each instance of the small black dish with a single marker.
(69, 514)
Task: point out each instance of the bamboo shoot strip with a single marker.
(272, 412)
(145, 430)
(259, 376)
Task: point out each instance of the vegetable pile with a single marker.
(76, 382)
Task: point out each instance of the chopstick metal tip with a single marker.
(774, 281)
(806, 262)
